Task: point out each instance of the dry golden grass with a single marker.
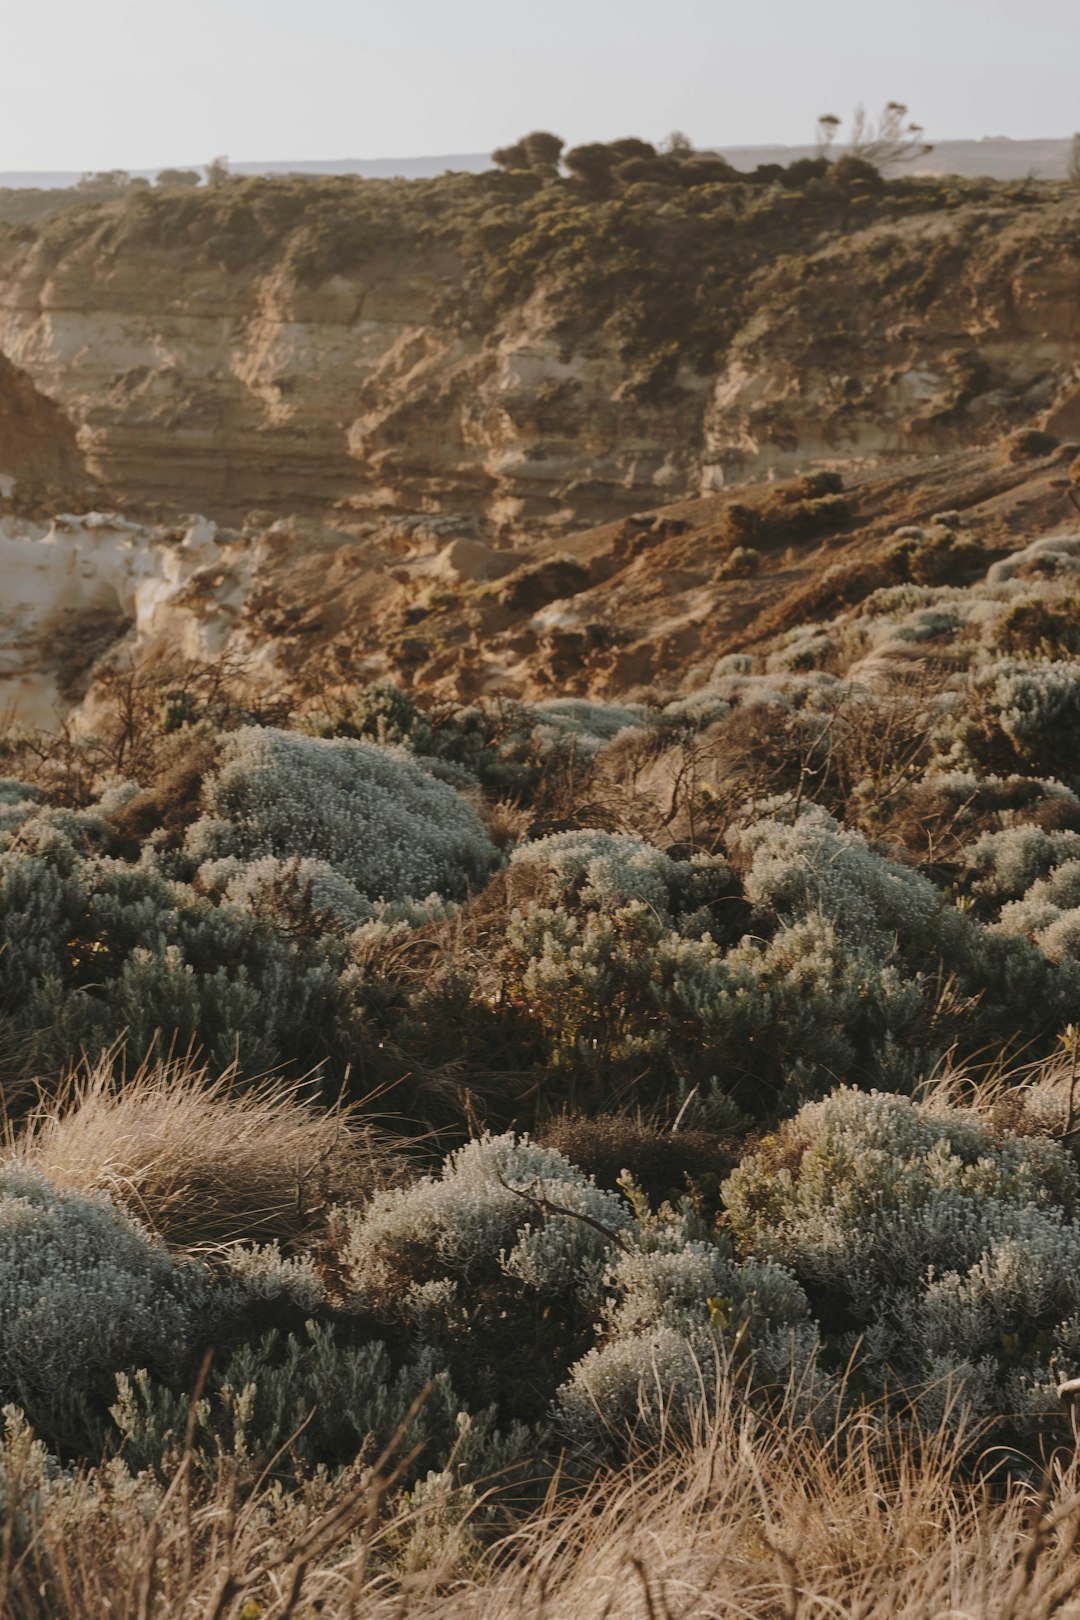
(200, 1160)
(751, 1518)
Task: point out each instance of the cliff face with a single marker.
(41, 467)
(290, 376)
(223, 393)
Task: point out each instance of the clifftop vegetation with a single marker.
(661, 248)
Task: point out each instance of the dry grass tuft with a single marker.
(764, 1519)
(200, 1161)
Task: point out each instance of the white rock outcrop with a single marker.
(78, 578)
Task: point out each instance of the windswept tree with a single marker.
(592, 164)
(105, 180)
(894, 138)
(890, 139)
(827, 127)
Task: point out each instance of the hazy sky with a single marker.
(139, 83)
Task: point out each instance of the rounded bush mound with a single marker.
(500, 1204)
(676, 1306)
(495, 1263)
(84, 1292)
(1037, 707)
(947, 1249)
(602, 871)
(380, 820)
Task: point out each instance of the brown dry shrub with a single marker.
(1035, 627)
(662, 1163)
(936, 822)
(200, 1161)
(1029, 444)
(172, 803)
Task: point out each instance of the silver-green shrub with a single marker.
(624, 986)
(676, 1304)
(815, 865)
(1038, 707)
(1005, 865)
(945, 1246)
(372, 814)
(294, 893)
(495, 1264)
(84, 1292)
(501, 1204)
(93, 948)
(884, 913)
(330, 1402)
(602, 871)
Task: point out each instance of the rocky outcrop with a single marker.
(296, 611)
(227, 394)
(41, 467)
(79, 588)
(383, 386)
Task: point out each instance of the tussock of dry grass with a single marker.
(765, 1520)
(200, 1160)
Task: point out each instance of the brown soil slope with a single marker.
(642, 607)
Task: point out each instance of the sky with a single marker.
(96, 84)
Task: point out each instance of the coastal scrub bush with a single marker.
(677, 1306)
(498, 1256)
(600, 871)
(1038, 709)
(312, 1399)
(94, 948)
(948, 1248)
(84, 1292)
(1005, 865)
(622, 997)
(374, 815)
(889, 915)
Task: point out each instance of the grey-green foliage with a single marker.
(1037, 706)
(887, 915)
(500, 1205)
(1050, 912)
(601, 871)
(952, 1249)
(644, 1290)
(676, 1305)
(584, 722)
(17, 801)
(372, 814)
(496, 1263)
(93, 948)
(313, 1398)
(619, 986)
(1037, 876)
(1006, 864)
(814, 864)
(84, 1291)
(297, 893)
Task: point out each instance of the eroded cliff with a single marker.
(528, 357)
